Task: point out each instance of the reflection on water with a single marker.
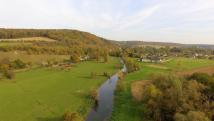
(103, 108)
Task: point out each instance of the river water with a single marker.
(102, 111)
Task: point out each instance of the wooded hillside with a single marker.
(64, 36)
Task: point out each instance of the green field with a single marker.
(46, 94)
(29, 39)
(5, 44)
(35, 59)
(125, 109)
(24, 41)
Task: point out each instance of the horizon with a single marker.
(171, 21)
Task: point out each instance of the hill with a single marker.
(63, 36)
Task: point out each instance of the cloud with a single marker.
(138, 17)
(155, 20)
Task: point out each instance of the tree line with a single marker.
(168, 98)
(138, 52)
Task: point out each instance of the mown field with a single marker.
(46, 94)
(29, 39)
(35, 59)
(3, 44)
(24, 41)
(126, 109)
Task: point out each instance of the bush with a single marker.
(74, 58)
(94, 95)
(202, 78)
(120, 85)
(9, 74)
(106, 75)
(191, 116)
(1, 75)
(180, 117)
(211, 57)
(169, 98)
(131, 65)
(105, 55)
(121, 75)
(72, 116)
(196, 116)
(18, 64)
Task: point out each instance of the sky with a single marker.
(180, 21)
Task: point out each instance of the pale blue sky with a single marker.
(181, 21)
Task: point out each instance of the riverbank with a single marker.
(103, 110)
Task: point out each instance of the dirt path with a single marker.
(209, 70)
(137, 89)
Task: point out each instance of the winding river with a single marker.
(102, 111)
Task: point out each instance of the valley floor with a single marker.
(45, 94)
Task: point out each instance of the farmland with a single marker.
(29, 39)
(35, 59)
(24, 41)
(46, 94)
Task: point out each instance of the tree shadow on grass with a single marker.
(89, 76)
(85, 77)
(49, 119)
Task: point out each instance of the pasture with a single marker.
(45, 94)
(5, 44)
(126, 109)
(24, 41)
(29, 39)
(35, 59)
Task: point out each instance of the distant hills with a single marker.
(161, 44)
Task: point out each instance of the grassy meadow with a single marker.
(45, 94)
(125, 108)
(32, 58)
(24, 41)
(29, 39)
(3, 44)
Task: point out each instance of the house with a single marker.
(153, 59)
(143, 60)
(84, 58)
(200, 56)
(156, 59)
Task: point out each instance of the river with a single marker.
(102, 111)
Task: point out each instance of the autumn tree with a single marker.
(191, 116)
(131, 65)
(72, 116)
(169, 98)
(105, 55)
(74, 58)
(97, 55)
